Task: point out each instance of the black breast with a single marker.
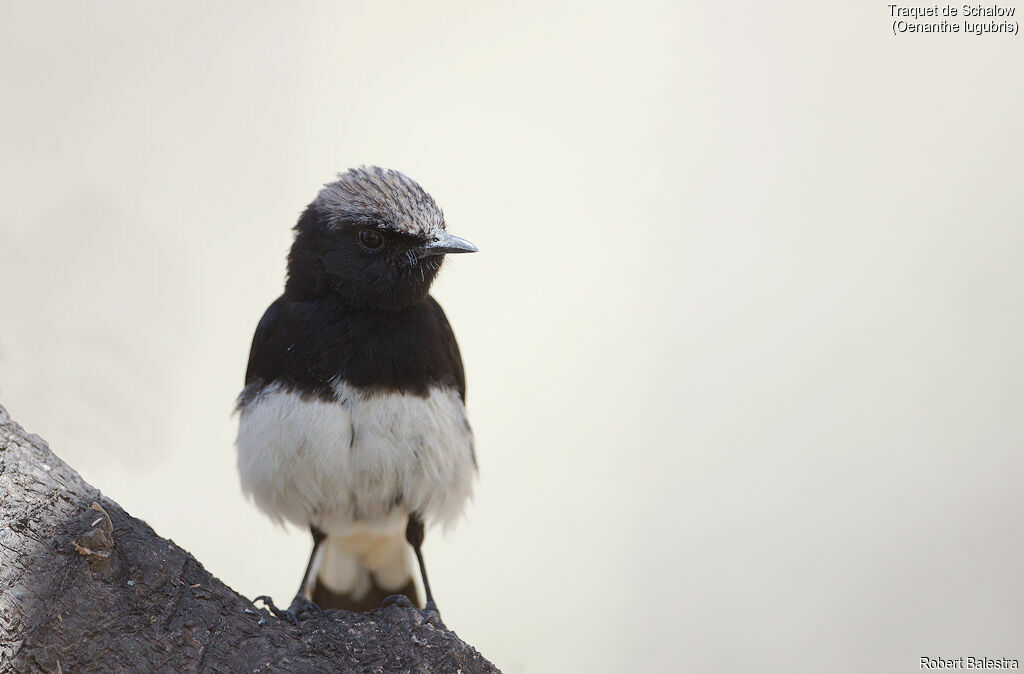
(307, 345)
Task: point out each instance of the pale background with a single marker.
(743, 339)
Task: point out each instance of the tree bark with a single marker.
(86, 587)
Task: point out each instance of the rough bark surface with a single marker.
(86, 587)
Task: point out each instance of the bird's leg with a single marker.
(303, 602)
(414, 534)
(304, 597)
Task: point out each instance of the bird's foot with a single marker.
(399, 600)
(299, 608)
(430, 613)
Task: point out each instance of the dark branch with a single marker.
(86, 587)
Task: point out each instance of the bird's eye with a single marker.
(371, 239)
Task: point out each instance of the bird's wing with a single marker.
(450, 348)
(263, 366)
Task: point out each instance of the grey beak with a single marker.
(443, 243)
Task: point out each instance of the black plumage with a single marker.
(307, 344)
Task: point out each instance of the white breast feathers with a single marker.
(360, 462)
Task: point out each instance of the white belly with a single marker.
(360, 463)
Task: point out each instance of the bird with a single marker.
(352, 419)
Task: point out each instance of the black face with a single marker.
(364, 265)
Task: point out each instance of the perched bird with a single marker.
(352, 420)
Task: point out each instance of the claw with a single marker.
(429, 613)
(299, 607)
(269, 603)
(399, 600)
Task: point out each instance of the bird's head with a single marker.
(374, 238)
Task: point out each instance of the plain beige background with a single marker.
(743, 339)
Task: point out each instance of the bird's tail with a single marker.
(357, 572)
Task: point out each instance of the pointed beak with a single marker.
(443, 243)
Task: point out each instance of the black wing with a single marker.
(261, 366)
(449, 347)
